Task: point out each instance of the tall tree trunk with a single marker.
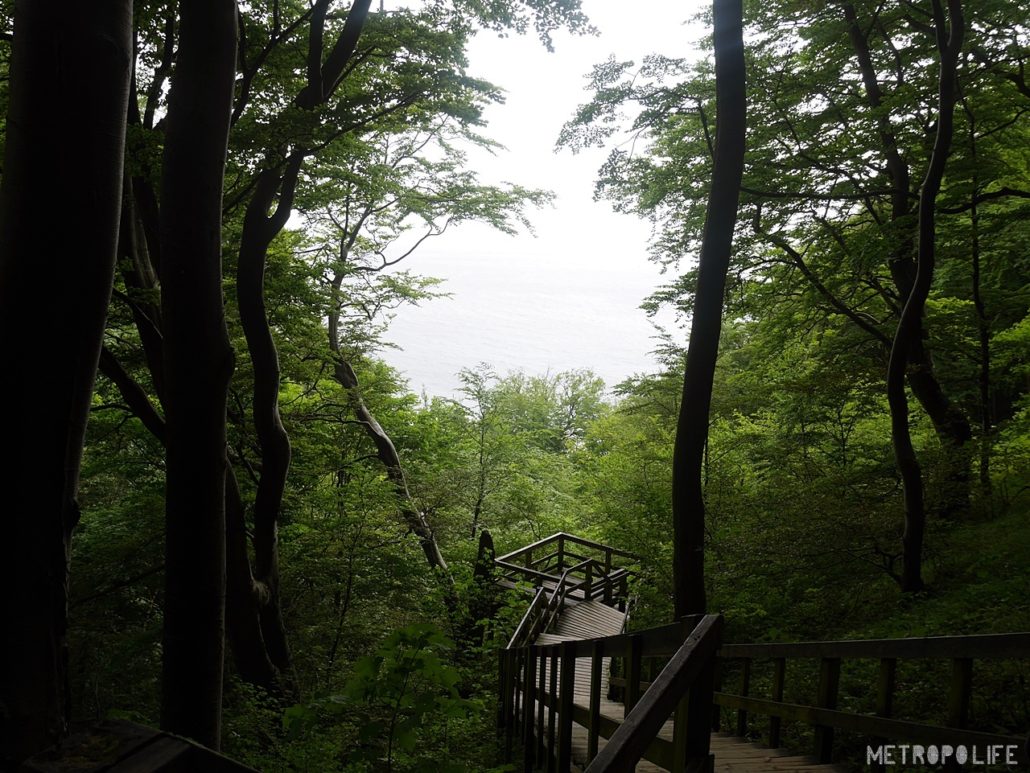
(59, 211)
(950, 423)
(688, 506)
(198, 363)
(254, 594)
(259, 229)
(909, 326)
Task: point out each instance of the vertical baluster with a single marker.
(717, 687)
(516, 700)
(779, 672)
(829, 682)
(959, 692)
(691, 734)
(885, 681)
(541, 742)
(552, 715)
(502, 701)
(531, 699)
(745, 688)
(633, 665)
(509, 703)
(589, 577)
(596, 668)
(566, 695)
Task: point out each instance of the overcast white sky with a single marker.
(567, 298)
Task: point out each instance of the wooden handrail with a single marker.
(571, 538)
(691, 664)
(524, 630)
(525, 692)
(981, 647)
(824, 715)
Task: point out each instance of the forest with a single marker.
(226, 516)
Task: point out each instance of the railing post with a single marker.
(885, 694)
(745, 687)
(960, 692)
(509, 703)
(541, 741)
(502, 678)
(691, 735)
(594, 728)
(829, 682)
(717, 687)
(551, 713)
(529, 559)
(561, 553)
(587, 582)
(566, 695)
(779, 672)
(529, 745)
(633, 664)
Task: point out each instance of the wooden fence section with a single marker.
(538, 699)
(825, 717)
(580, 568)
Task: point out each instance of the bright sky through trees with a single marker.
(568, 297)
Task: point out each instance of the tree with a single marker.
(688, 506)
(949, 29)
(198, 363)
(58, 229)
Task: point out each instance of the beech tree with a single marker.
(688, 505)
(59, 209)
(198, 363)
(311, 80)
(949, 28)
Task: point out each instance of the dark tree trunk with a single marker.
(259, 229)
(950, 423)
(59, 211)
(688, 506)
(198, 363)
(909, 329)
(254, 593)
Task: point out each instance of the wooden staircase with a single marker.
(559, 699)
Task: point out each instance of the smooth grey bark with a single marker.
(59, 211)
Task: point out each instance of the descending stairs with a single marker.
(581, 594)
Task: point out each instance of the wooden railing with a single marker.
(544, 562)
(538, 688)
(825, 717)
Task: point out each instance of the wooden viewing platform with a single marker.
(560, 701)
